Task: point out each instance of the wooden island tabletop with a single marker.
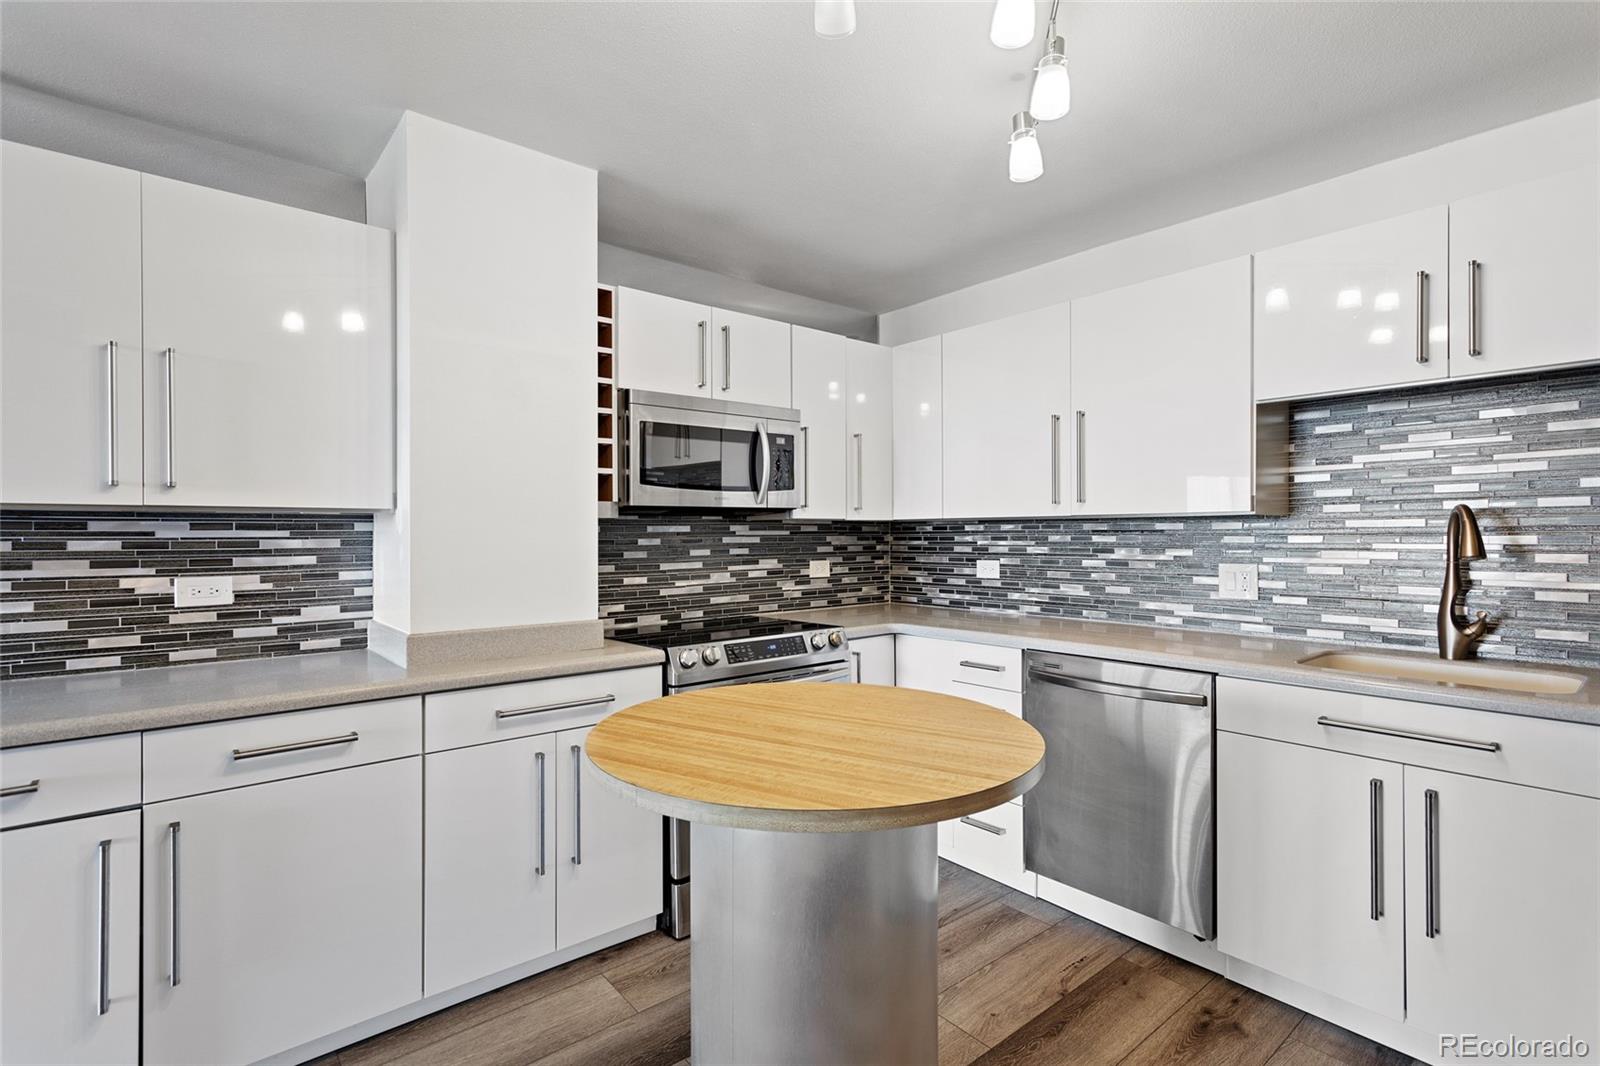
(808, 757)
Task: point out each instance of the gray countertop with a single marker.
(70, 707)
(1229, 655)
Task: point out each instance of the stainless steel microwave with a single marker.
(684, 451)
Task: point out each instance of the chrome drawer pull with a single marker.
(1110, 688)
(998, 831)
(1406, 734)
(1430, 862)
(991, 667)
(20, 790)
(538, 761)
(1375, 840)
(240, 754)
(175, 976)
(103, 993)
(519, 712)
(577, 804)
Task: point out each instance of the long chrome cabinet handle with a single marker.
(997, 830)
(727, 358)
(702, 381)
(538, 762)
(1111, 688)
(1406, 734)
(520, 712)
(103, 993)
(240, 754)
(991, 667)
(171, 356)
(805, 457)
(861, 450)
(111, 414)
(1375, 840)
(20, 790)
(1422, 316)
(1430, 860)
(1055, 459)
(577, 805)
(175, 975)
(1474, 347)
(1082, 493)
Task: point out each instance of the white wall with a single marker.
(495, 523)
(1561, 140)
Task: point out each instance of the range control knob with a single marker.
(688, 658)
(836, 638)
(711, 656)
(818, 640)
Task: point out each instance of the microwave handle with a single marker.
(766, 462)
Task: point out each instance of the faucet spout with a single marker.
(1462, 541)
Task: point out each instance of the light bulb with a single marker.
(833, 19)
(1012, 24)
(1027, 162)
(1052, 88)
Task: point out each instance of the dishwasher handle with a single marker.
(1109, 688)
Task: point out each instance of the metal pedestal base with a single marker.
(814, 947)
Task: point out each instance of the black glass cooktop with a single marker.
(715, 631)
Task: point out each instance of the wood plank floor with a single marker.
(1021, 982)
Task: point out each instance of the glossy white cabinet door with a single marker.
(872, 660)
(57, 883)
(489, 829)
(870, 469)
(1007, 409)
(919, 429)
(1534, 294)
(663, 345)
(1338, 313)
(1162, 419)
(298, 907)
(280, 323)
(608, 857)
(750, 362)
(70, 332)
(1516, 907)
(1296, 878)
(819, 395)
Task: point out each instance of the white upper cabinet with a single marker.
(1340, 312)
(269, 365)
(1525, 276)
(751, 363)
(870, 470)
(1006, 408)
(1162, 419)
(919, 429)
(819, 395)
(70, 333)
(663, 345)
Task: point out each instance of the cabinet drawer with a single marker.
(923, 661)
(1564, 756)
(249, 751)
(69, 778)
(990, 843)
(503, 712)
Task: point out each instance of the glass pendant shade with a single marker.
(1052, 88)
(1026, 162)
(833, 19)
(1012, 23)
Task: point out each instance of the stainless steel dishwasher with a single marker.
(1124, 810)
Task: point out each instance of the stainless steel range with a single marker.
(736, 651)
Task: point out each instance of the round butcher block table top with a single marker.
(810, 758)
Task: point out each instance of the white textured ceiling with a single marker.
(870, 171)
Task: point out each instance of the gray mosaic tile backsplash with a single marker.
(1360, 557)
(83, 591)
(662, 567)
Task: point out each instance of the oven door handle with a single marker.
(766, 462)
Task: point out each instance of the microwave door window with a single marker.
(697, 458)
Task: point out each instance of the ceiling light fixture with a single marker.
(833, 19)
(1027, 162)
(1012, 23)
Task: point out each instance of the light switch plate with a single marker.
(820, 568)
(1238, 581)
(207, 591)
(989, 568)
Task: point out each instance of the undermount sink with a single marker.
(1444, 672)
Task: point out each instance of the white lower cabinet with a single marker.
(1514, 943)
(1310, 882)
(279, 913)
(69, 941)
(990, 843)
(872, 660)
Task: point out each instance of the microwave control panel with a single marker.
(782, 462)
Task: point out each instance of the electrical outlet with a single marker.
(988, 567)
(205, 591)
(1238, 581)
(820, 568)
